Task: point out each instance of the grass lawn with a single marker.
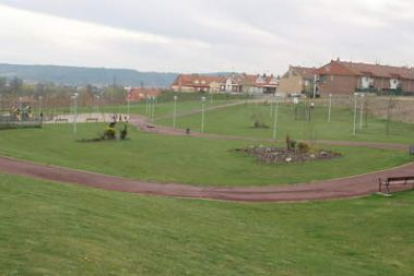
(57, 229)
(181, 159)
(238, 121)
(162, 109)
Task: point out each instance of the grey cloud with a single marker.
(248, 35)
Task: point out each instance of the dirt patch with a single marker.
(282, 155)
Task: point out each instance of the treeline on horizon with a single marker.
(82, 76)
(16, 90)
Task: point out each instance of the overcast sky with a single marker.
(255, 36)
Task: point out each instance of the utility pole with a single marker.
(361, 115)
(387, 126)
(355, 114)
(314, 85)
(203, 99)
(175, 112)
(330, 108)
(275, 119)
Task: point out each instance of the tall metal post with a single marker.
(128, 100)
(271, 107)
(175, 112)
(314, 85)
(203, 99)
(330, 108)
(355, 114)
(75, 111)
(153, 109)
(361, 113)
(276, 113)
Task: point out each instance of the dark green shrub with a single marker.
(303, 147)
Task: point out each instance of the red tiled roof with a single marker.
(364, 69)
(197, 80)
(305, 72)
(137, 93)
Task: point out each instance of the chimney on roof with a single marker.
(338, 59)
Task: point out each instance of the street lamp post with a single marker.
(74, 98)
(128, 107)
(153, 109)
(41, 108)
(203, 99)
(361, 115)
(147, 105)
(275, 119)
(271, 107)
(330, 108)
(315, 78)
(355, 114)
(128, 104)
(175, 112)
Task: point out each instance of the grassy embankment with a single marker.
(57, 229)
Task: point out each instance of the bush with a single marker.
(303, 147)
(258, 121)
(123, 133)
(290, 144)
(110, 133)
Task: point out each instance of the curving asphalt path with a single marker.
(331, 189)
(355, 186)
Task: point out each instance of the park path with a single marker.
(354, 186)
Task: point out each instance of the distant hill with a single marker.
(67, 75)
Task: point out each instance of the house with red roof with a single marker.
(234, 83)
(137, 94)
(199, 83)
(340, 77)
(297, 81)
(251, 84)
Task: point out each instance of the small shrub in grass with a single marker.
(290, 144)
(110, 133)
(123, 133)
(258, 121)
(303, 147)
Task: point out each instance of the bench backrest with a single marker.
(400, 178)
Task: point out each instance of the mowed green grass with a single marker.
(238, 120)
(181, 159)
(161, 109)
(58, 229)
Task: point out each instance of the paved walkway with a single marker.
(331, 189)
(322, 190)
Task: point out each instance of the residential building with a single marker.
(199, 83)
(137, 94)
(233, 83)
(252, 84)
(340, 77)
(297, 80)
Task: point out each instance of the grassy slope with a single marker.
(181, 159)
(54, 229)
(238, 121)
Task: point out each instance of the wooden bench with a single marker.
(61, 120)
(394, 180)
(411, 150)
(92, 119)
